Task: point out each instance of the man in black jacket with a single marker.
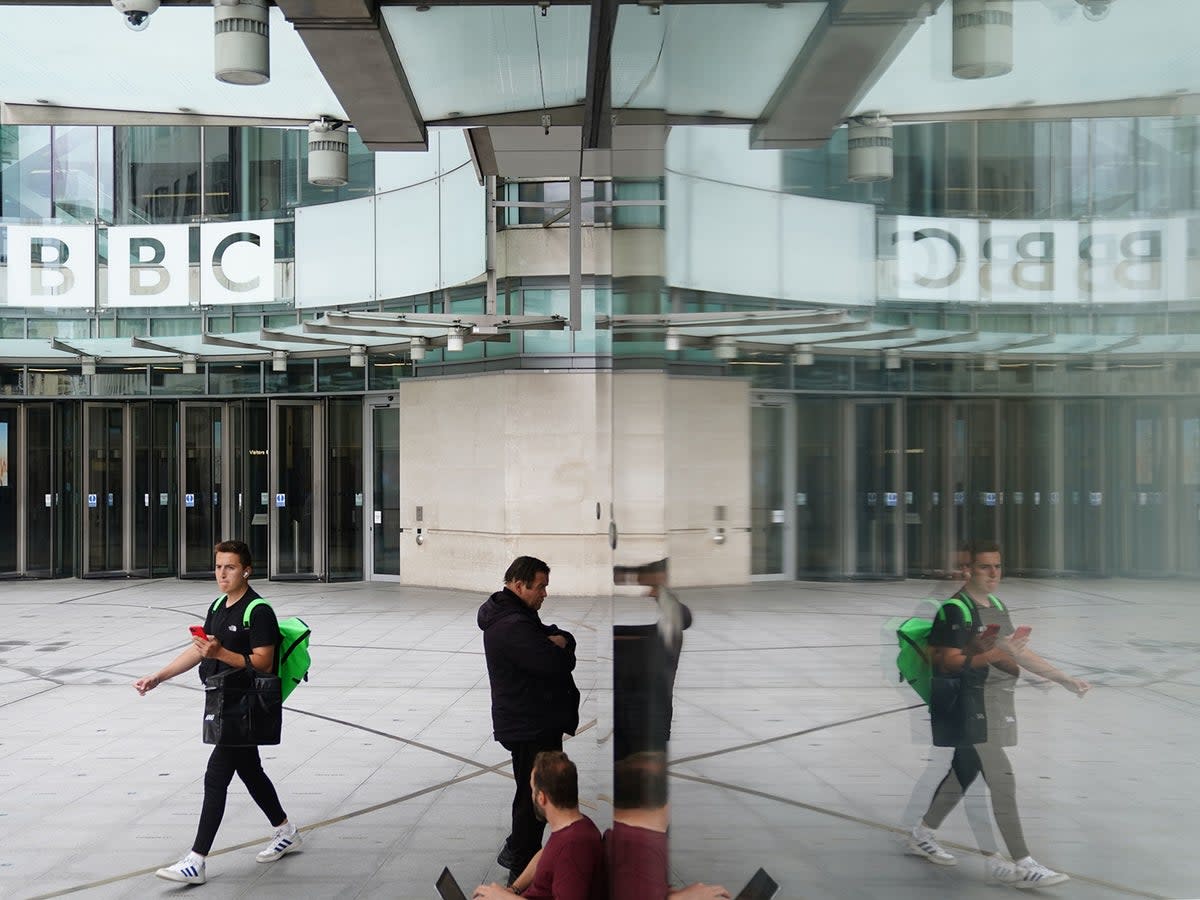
(534, 698)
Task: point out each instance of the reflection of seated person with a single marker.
(645, 659)
(571, 865)
(635, 847)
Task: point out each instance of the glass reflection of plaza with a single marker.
(768, 309)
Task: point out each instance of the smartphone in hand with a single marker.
(1022, 632)
(991, 631)
(198, 631)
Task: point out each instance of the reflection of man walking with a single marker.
(534, 698)
(977, 661)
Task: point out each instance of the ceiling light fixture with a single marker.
(328, 153)
(869, 148)
(279, 360)
(241, 41)
(87, 365)
(983, 38)
(673, 341)
(454, 340)
(358, 356)
(189, 364)
(891, 359)
(416, 349)
(803, 355)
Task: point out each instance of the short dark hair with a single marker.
(238, 547)
(640, 781)
(556, 776)
(525, 569)
(973, 549)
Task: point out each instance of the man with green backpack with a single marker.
(240, 631)
(974, 657)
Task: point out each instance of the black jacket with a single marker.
(533, 693)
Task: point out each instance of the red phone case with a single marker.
(197, 631)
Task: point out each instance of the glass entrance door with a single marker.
(819, 481)
(344, 492)
(154, 450)
(1032, 478)
(768, 507)
(254, 488)
(1188, 507)
(877, 490)
(297, 506)
(385, 529)
(928, 543)
(974, 471)
(1085, 474)
(9, 477)
(104, 482)
(203, 475)
(1145, 500)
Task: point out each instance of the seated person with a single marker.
(571, 865)
(636, 846)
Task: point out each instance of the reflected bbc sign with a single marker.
(148, 265)
(1030, 261)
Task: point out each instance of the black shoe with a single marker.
(505, 859)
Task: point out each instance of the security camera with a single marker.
(1095, 10)
(137, 12)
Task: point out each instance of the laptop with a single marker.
(449, 889)
(761, 886)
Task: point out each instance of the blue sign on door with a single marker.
(189, 500)
(91, 501)
(281, 500)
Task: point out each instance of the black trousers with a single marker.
(222, 765)
(525, 840)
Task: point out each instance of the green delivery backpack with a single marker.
(292, 659)
(912, 635)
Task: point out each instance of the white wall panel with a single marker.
(463, 225)
(827, 249)
(729, 241)
(396, 169)
(406, 241)
(335, 253)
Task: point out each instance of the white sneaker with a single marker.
(1002, 870)
(1034, 875)
(189, 870)
(921, 843)
(286, 839)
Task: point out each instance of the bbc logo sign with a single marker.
(149, 265)
(1023, 261)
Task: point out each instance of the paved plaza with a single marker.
(792, 748)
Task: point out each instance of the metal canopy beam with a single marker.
(851, 46)
(354, 51)
(597, 115)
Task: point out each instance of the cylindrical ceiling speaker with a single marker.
(328, 154)
(869, 156)
(242, 42)
(983, 38)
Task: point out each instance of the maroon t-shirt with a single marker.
(572, 865)
(637, 862)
